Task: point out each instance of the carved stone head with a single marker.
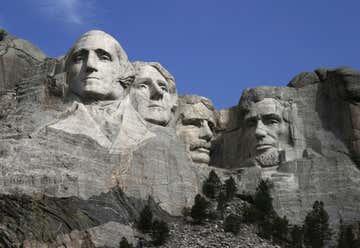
(265, 129)
(97, 67)
(153, 93)
(195, 125)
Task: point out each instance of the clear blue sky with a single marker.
(214, 48)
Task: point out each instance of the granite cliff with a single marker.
(89, 138)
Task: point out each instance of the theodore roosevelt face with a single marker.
(195, 127)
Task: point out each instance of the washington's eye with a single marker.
(143, 86)
(103, 55)
(77, 57)
(211, 126)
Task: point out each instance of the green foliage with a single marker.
(280, 227)
(296, 234)
(232, 224)
(349, 236)
(230, 188)
(145, 221)
(186, 211)
(199, 210)
(212, 185)
(160, 232)
(221, 201)
(316, 226)
(250, 214)
(263, 199)
(125, 244)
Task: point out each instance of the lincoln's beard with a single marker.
(268, 158)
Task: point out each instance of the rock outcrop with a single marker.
(88, 139)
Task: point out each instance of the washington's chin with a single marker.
(200, 157)
(99, 93)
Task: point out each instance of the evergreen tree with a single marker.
(232, 224)
(263, 199)
(145, 221)
(348, 236)
(125, 244)
(265, 226)
(280, 227)
(212, 185)
(221, 201)
(160, 232)
(230, 188)
(199, 210)
(316, 226)
(296, 236)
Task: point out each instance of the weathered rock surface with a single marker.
(17, 60)
(212, 235)
(322, 163)
(76, 173)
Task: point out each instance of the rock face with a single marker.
(88, 139)
(18, 59)
(318, 161)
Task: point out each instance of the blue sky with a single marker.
(213, 48)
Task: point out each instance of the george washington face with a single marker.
(93, 67)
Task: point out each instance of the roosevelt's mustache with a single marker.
(200, 144)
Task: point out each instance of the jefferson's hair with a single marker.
(169, 78)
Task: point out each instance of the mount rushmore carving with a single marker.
(94, 127)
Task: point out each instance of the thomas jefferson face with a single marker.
(150, 95)
(266, 131)
(195, 127)
(94, 67)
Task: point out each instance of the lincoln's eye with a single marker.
(271, 120)
(251, 122)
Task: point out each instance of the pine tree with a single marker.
(348, 235)
(316, 226)
(232, 224)
(296, 236)
(230, 188)
(280, 227)
(212, 185)
(199, 210)
(263, 199)
(125, 244)
(145, 221)
(221, 201)
(160, 232)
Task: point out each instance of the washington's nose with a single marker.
(260, 131)
(205, 131)
(91, 62)
(156, 92)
